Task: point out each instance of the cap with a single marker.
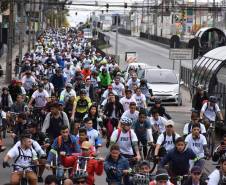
(161, 174)
(69, 85)
(196, 169)
(86, 145)
(61, 102)
(169, 122)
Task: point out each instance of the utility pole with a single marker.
(21, 32)
(29, 27)
(10, 44)
(33, 24)
(148, 12)
(156, 18)
(116, 39)
(214, 13)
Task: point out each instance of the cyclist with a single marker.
(107, 91)
(194, 120)
(125, 101)
(158, 124)
(199, 98)
(40, 96)
(220, 150)
(198, 144)
(210, 110)
(63, 146)
(19, 106)
(105, 78)
(132, 113)
(196, 177)
(80, 178)
(140, 99)
(67, 93)
(143, 130)
(54, 120)
(127, 140)
(146, 90)
(81, 106)
(24, 155)
(6, 99)
(160, 109)
(218, 176)
(48, 86)
(94, 166)
(133, 81)
(94, 135)
(115, 166)
(28, 80)
(178, 155)
(166, 141)
(58, 81)
(118, 87)
(161, 178)
(89, 88)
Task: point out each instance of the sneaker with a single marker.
(40, 179)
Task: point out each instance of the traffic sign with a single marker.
(181, 54)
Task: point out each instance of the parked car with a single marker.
(164, 84)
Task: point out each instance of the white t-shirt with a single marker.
(2, 116)
(209, 111)
(140, 100)
(161, 122)
(169, 144)
(196, 145)
(130, 83)
(26, 156)
(132, 116)
(185, 131)
(27, 82)
(125, 102)
(40, 98)
(93, 135)
(124, 141)
(118, 88)
(65, 95)
(106, 92)
(214, 178)
(49, 88)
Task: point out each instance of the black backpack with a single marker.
(164, 140)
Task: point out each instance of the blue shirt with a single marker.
(141, 129)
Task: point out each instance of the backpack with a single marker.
(130, 137)
(60, 141)
(190, 127)
(214, 108)
(164, 140)
(222, 178)
(21, 154)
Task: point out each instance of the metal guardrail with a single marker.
(186, 76)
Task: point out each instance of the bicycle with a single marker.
(25, 169)
(179, 180)
(210, 137)
(62, 173)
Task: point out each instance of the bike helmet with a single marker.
(126, 121)
(35, 84)
(157, 100)
(79, 174)
(40, 85)
(213, 99)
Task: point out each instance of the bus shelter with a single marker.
(210, 71)
(210, 38)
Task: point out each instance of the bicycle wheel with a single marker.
(150, 158)
(211, 141)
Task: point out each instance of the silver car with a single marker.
(164, 84)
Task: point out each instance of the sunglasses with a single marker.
(80, 182)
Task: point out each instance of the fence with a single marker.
(186, 76)
(160, 39)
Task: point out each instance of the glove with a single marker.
(5, 164)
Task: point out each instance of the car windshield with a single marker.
(160, 76)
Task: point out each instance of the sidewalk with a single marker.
(3, 61)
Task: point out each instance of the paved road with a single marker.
(148, 53)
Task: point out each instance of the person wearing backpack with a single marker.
(54, 120)
(210, 110)
(127, 140)
(63, 147)
(194, 121)
(218, 176)
(166, 140)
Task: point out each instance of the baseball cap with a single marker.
(196, 169)
(170, 122)
(86, 145)
(161, 174)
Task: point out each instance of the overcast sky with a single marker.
(85, 11)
